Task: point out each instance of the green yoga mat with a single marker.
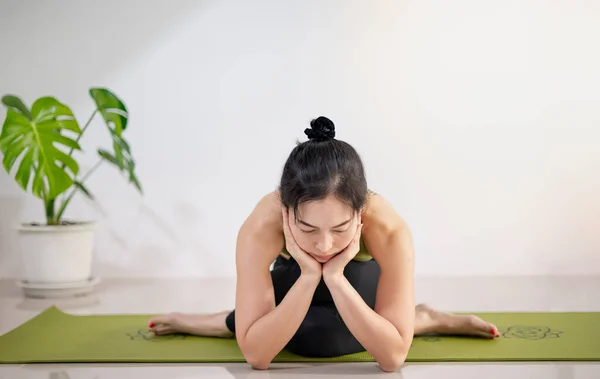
(54, 336)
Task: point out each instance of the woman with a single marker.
(343, 277)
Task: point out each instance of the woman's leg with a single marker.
(322, 319)
(222, 324)
(432, 321)
(208, 325)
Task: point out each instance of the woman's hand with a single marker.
(308, 265)
(334, 268)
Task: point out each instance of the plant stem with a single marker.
(84, 128)
(48, 204)
(50, 220)
(64, 204)
(81, 134)
(75, 188)
(87, 175)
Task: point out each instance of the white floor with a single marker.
(156, 296)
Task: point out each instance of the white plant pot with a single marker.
(56, 253)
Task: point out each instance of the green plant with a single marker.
(45, 137)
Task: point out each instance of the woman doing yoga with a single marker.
(343, 274)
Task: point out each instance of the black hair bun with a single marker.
(323, 129)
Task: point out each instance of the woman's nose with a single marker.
(324, 244)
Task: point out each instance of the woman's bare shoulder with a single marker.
(386, 234)
(380, 215)
(266, 218)
(261, 235)
(267, 212)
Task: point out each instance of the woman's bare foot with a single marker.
(207, 325)
(429, 320)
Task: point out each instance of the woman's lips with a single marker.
(323, 258)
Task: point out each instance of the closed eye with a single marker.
(314, 230)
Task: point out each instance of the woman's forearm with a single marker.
(269, 334)
(375, 333)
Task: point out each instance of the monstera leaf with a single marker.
(112, 109)
(115, 116)
(36, 137)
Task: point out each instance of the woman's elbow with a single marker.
(392, 363)
(391, 366)
(259, 364)
(255, 359)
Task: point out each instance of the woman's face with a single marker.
(324, 227)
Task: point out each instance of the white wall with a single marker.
(478, 119)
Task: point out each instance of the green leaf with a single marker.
(108, 157)
(14, 102)
(115, 116)
(111, 108)
(40, 143)
(84, 189)
(122, 159)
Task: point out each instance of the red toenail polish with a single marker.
(151, 325)
(493, 331)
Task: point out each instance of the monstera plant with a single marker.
(46, 136)
(38, 147)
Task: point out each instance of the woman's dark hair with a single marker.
(323, 166)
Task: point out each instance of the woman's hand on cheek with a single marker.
(308, 265)
(334, 268)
